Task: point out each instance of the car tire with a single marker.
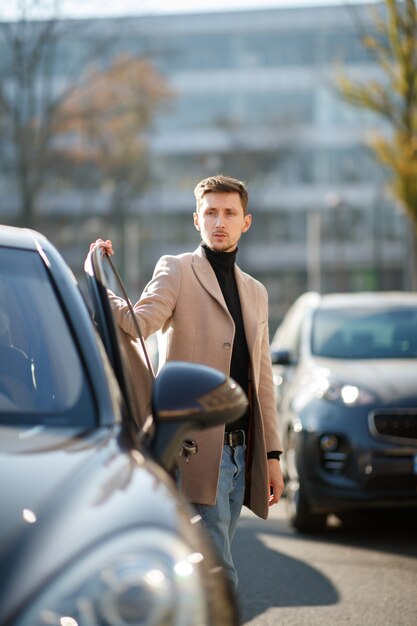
(299, 511)
(298, 508)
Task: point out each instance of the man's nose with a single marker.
(219, 219)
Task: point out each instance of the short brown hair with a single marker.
(222, 183)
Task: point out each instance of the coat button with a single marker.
(226, 345)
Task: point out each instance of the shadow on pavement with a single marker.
(384, 530)
(270, 579)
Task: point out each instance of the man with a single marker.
(212, 313)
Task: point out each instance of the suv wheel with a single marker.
(298, 508)
(299, 512)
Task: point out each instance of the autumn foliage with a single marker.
(393, 97)
(105, 119)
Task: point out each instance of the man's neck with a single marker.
(219, 258)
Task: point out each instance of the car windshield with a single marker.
(361, 333)
(41, 376)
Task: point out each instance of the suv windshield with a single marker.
(41, 375)
(389, 333)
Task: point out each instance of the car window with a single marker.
(289, 334)
(128, 355)
(356, 333)
(41, 374)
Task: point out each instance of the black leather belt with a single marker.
(235, 438)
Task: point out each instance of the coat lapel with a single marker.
(206, 276)
(247, 293)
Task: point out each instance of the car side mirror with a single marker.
(282, 357)
(185, 397)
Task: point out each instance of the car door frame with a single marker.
(103, 317)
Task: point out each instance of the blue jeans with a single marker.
(221, 519)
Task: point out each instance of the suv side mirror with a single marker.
(281, 357)
(188, 397)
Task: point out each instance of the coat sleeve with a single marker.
(156, 305)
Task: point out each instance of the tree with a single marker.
(28, 47)
(393, 97)
(102, 124)
(101, 137)
(51, 96)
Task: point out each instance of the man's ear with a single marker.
(195, 217)
(248, 222)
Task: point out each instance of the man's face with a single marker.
(221, 220)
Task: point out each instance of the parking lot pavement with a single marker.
(361, 576)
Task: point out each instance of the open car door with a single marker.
(128, 355)
(183, 397)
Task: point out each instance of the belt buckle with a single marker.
(230, 439)
(233, 436)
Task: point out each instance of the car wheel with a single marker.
(299, 512)
(298, 508)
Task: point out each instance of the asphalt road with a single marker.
(364, 575)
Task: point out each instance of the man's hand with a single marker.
(106, 246)
(276, 481)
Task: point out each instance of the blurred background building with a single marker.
(252, 96)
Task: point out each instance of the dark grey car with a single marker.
(345, 368)
(92, 529)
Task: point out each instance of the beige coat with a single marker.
(185, 302)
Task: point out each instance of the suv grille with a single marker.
(394, 424)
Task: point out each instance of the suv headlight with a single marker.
(144, 578)
(336, 391)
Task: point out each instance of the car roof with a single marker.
(23, 238)
(366, 299)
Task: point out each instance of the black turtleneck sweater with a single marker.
(223, 264)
